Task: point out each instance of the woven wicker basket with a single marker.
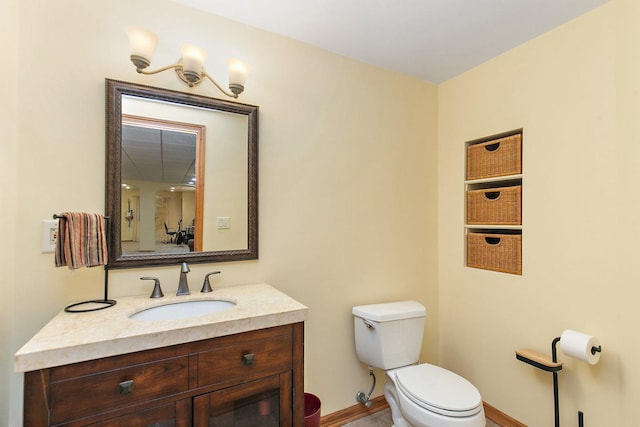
(498, 157)
(497, 206)
(497, 252)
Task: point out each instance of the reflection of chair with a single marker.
(190, 230)
(180, 236)
(169, 232)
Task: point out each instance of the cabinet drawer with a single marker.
(499, 206)
(102, 391)
(172, 414)
(498, 252)
(238, 361)
(498, 157)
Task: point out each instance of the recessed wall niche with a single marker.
(493, 208)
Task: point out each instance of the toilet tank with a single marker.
(389, 335)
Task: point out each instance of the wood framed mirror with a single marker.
(181, 177)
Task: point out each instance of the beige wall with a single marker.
(575, 92)
(627, 203)
(8, 197)
(347, 174)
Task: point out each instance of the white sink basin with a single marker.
(183, 310)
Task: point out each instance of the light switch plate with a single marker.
(223, 222)
(49, 235)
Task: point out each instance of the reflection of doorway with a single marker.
(133, 203)
(162, 217)
(130, 215)
(136, 218)
(160, 154)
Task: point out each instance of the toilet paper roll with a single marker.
(579, 345)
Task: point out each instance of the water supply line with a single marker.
(364, 398)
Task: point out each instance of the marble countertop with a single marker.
(76, 337)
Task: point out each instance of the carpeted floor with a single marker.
(383, 419)
(133, 248)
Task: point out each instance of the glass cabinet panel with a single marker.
(254, 404)
(260, 410)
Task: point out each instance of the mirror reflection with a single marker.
(187, 187)
(159, 191)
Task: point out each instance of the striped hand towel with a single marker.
(81, 240)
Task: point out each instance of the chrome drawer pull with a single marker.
(247, 359)
(126, 387)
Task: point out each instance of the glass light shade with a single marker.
(237, 72)
(142, 43)
(192, 59)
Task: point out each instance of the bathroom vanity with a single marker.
(238, 367)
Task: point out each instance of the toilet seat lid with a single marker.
(439, 390)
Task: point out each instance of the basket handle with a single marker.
(492, 195)
(492, 147)
(492, 240)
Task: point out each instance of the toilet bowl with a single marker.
(388, 336)
(429, 396)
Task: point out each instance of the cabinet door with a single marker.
(261, 403)
(176, 414)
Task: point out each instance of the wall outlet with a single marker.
(49, 235)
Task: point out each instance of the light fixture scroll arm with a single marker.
(232, 95)
(159, 70)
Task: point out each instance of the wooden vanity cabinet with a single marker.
(248, 379)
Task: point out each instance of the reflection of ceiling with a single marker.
(180, 188)
(157, 155)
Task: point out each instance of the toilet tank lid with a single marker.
(390, 311)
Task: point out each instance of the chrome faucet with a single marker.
(183, 285)
(206, 286)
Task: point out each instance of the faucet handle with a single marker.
(206, 286)
(157, 291)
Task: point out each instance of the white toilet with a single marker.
(389, 336)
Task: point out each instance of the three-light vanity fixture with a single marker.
(189, 68)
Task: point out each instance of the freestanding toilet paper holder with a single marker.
(541, 361)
